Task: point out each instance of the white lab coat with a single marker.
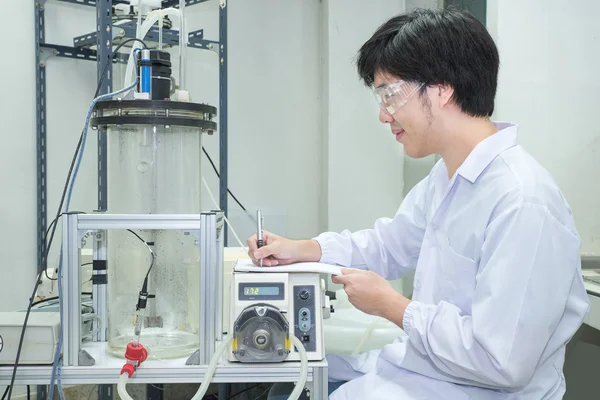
(497, 290)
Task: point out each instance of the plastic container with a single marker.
(154, 170)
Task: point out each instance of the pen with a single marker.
(259, 231)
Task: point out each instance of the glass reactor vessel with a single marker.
(154, 167)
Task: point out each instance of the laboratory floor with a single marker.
(582, 365)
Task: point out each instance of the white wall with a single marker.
(548, 85)
(365, 162)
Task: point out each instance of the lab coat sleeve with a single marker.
(391, 248)
(528, 263)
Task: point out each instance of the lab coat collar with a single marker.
(487, 150)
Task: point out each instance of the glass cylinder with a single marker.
(154, 170)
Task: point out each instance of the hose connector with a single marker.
(135, 354)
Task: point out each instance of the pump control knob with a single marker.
(304, 295)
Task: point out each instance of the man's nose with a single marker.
(385, 117)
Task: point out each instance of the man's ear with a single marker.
(444, 93)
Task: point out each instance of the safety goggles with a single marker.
(392, 97)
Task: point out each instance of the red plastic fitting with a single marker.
(135, 354)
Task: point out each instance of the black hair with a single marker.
(445, 46)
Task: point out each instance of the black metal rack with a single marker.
(102, 39)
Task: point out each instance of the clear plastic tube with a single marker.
(366, 336)
(212, 366)
(121, 387)
(299, 388)
(160, 31)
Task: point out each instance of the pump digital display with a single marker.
(261, 290)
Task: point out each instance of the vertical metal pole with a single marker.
(208, 250)
(223, 146)
(71, 292)
(99, 282)
(40, 80)
(104, 43)
(218, 268)
(319, 383)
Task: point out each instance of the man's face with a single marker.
(410, 123)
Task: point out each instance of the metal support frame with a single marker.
(208, 227)
(71, 291)
(212, 224)
(104, 49)
(223, 144)
(99, 281)
(40, 107)
(103, 55)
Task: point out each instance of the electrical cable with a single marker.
(28, 392)
(149, 249)
(69, 194)
(5, 392)
(263, 393)
(243, 391)
(219, 175)
(58, 214)
(226, 220)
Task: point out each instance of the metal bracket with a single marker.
(194, 359)
(81, 235)
(46, 53)
(196, 40)
(40, 4)
(175, 3)
(85, 359)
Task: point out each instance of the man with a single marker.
(497, 290)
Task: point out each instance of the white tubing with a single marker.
(303, 369)
(151, 19)
(212, 197)
(160, 31)
(121, 389)
(298, 389)
(211, 368)
(366, 336)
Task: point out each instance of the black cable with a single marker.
(218, 175)
(5, 393)
(28, 393)
(243, 391)
(151, 252)
(47, 299)
(42, 267)
(263, 393)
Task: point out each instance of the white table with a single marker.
(593, 289)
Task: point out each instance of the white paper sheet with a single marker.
(247, 266)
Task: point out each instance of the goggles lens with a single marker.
(392, 97)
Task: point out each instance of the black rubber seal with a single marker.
(154, 105)
(144, 120)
